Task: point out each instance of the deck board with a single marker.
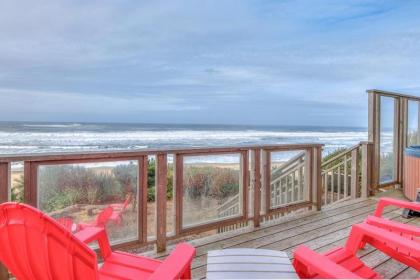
(320, 231)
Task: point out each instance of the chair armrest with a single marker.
(372, 234)
(176, 264)
(91, 234)
(391, 225)
(88, 234)
(386, 201)
(322, 265)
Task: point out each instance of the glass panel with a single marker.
(413, 123)
(151, 198)
(287, 178)
(16, 182)
(387, 140)
(212, 188)
(170, 205)
(92, 194)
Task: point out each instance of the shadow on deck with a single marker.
(319, 230)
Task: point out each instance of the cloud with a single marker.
(205, 61)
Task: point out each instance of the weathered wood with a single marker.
(320, 237)
(403, 138)
(142, 198)
(31, 183)
(366, 183)
(398, 147)
(317, 177)
(134, 154)
(392, 94)
(179, 190)
(265, 157)
(408, 273)
(244, 182)
(354, 190)
(4, 196)
(4, 181)
(373, 133)
(256, 171)
(291, 231)
(161, 186)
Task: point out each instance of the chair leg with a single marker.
(187, 274)
(301, 269)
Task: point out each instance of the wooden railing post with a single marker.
(30, 183)
(316, 177)
(256, 171)
(4, 181)
(4, 196)
(142, 198)
(354, 185)
(179, 190)
(265, 181)
(367, 159)
(161, 186)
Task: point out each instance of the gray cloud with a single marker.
(259, 62)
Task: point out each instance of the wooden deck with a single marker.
(318, 230)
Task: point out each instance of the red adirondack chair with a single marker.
(66, 222)
(119, 209)
(408, 232)
(342, 262)
(101, 219)
(34, 246)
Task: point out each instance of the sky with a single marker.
(215, 62)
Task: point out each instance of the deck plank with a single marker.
(292, 234)
(319, 231)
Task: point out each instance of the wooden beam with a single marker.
(374, 135)
(393, 94)
(4, 181)
(402, 141)
(55, 158)
(397, 139)
(244, 168)
(179, 191)
(4, 196)
(31, 183)
(161, 186)
(256, 171)
(142, 198)
(418, 122)
(354, 185)
(267, 180)
(367, 149)
(316, 176)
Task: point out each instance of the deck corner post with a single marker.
(4, 196)
(161, 186)
(354, 189)
(317, 176)
(256, 182)
(367, 154)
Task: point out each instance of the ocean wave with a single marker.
(57, 140)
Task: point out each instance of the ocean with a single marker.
(28, 137)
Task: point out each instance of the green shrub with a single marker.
(151, 180)
(17, 190)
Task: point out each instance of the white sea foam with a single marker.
(60, 138)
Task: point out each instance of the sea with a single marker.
(48, 137)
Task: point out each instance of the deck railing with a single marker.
(260, 182)
(347, 175)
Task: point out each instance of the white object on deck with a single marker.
(249, 264)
